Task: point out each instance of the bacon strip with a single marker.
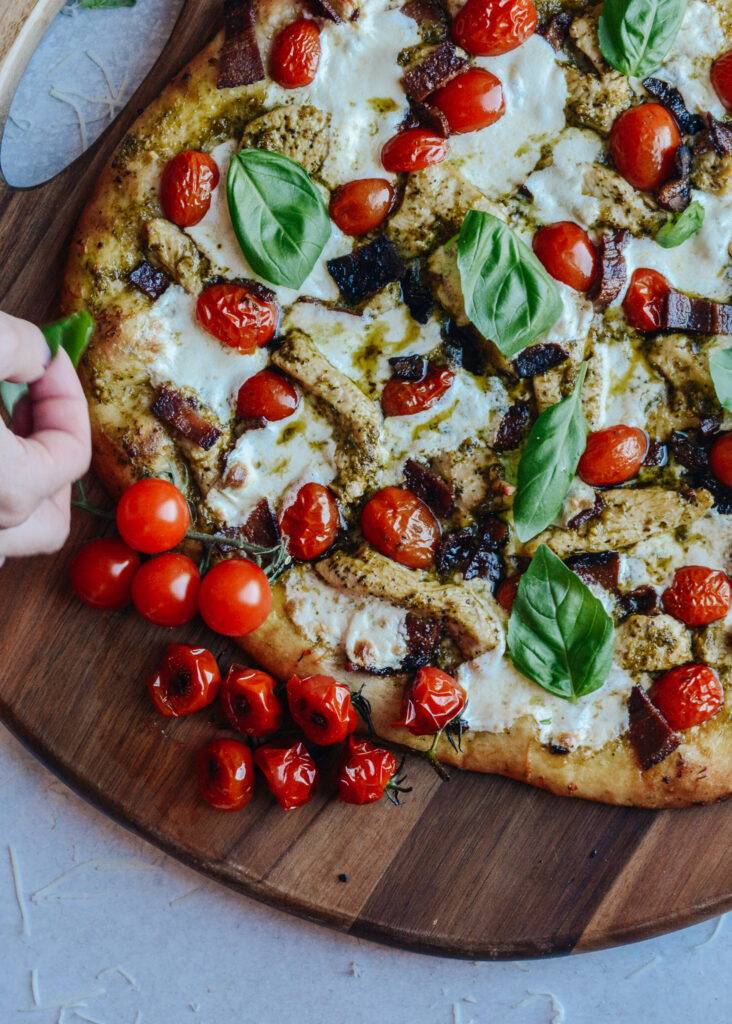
(613, 273)
(511, 430)
(322, 9)
(423, 637)
(587, 513)
(538, 359)
(473, 551)
(408, 367)
(241, 61)
(149, 280)
(184, 415)
(423, 115)
(417, 295)
(556, 29)
(430, 487)
(438, 68)
(650, 735)
(600, 568)
(673, 101)
(697, 316)
(717, 137)
(675, 194)
(463, 347)
(366, 270)
(424, 12)
(641, 601)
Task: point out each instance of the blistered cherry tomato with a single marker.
(225, 772)
(721, 76)
(507, 591)
(267, 394)
(187, 185)
(720, 459)
(687, 695)
(366, 772)
(398, 524)
(613, 456)
(360, 206)
(698, 595)
(413, 150)
(488, 28)
(431, 702)
(643, 143)
(567, 253)
(102, 573)
(296, 54)
(290, 773)
(186, 680)
(407, 397)
(310, 523)
(322, 708)
(471, 101)
(165, 589)
(235, 597)
(249, 701)
(643, 302)
(237, 316)
(152, 516)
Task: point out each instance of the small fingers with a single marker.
(43, 533)
(24, 354)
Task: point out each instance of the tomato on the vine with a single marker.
(235, 597)
(309, 524)
(688, 695)
(360, 206)
(290, 773)
(567, 253)
(643, 302)
(225, 772)
(322, 708)
(407, 397)
(413, 149)
(643, 142)
(470, 101)
(431, 702)
(365, 773)
(165, 589)
(187, 184)
(239, 317)
(613, 455)
(267, 394)
(399, 524)
(102, 573)
(186, 680)
(249, 701)
(698, 596)
(152, 516)
(488, 28)
(296, 54)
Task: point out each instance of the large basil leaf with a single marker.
(559, 634)
(682, 226)
(278, 215)
(549, 462)
(508, 295)
(720, 367)
(636, 35)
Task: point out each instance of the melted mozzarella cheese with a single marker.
(630, 388)
(706, 542)
(700, 39)
(556, 189)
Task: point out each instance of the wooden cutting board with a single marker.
(477, 867)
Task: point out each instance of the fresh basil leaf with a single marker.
(720, 367)
(10, 393)
(278, 215)
(549, 462)
(508, 295)
(559, 634)
(677, 229)
(108, 3)
(636, 35)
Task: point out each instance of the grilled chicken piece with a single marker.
(713, 645)
(652, 643)
(475, 475)
(300, 132)
(583, 33)
(594, 102)
(686, 370)
(620, 205)
(172, 249)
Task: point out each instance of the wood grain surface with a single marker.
(476, 867)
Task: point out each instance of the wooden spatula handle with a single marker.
(22, 25)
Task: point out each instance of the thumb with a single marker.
(24, 354)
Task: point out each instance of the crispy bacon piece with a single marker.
(423, 638)
(641, 601)
(408, 367)
(587, 513)
(423, 115)
(717, 136)
(696, 316)
(600, 568)
(692, 452)
(538, 359)
(673, 101)
(473, 551)
(651, 737)
(511, 430)
(149, 280)
(463, 347)
(417, 294)
(675, 194)
(612, 273)
(424, 12)
(556, 29)
(438, 68)
(322, 9)
(241, 62)
(430, 487)
(185, 416)
(657, 454)
(366, 270)
(261, 526)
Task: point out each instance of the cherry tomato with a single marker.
(186, 680)
(235, 597)
(290, 773)
(720, 459)
(360, 206)
(413, 150)
(487, 28)
(187, 185)
(613, 456)
(296, 54)
(721, 76)
(152, 516)
(310, 522)
(165, 589)
(237, 316)
(225, 772)
(366, 773)
(398, 524)
(687, 695)
(102, 573)
(643, 143)
(267, 394)
(471, 101)
(643, 302)
(407, 397)
(249, 701)
(698, 596)
(567, 253)
(322, 708)
(431, 702)
(507, 591)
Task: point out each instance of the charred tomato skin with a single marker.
(365, 773)
(237, 316)
(322, 708)
(613, 455)
(267, 394)
(290, 773)
(399, 524)
(186, 680)
(566, 252)
(721, 77)
(102, 573)
(186, 187)
(249, 701)
(235, 597)
(408, 397)
(643, 143)
(310, 523)
(488, 28)
(688, 695)
(431, 701)
(471, 101)
(225, 774)
(152, 516)
(413, 149)
(698, 596)
(296, 54)
(165, 589)
(720, 459)
(359, 206)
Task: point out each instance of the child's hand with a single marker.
(48, 447)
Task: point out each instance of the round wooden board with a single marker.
(477, 867)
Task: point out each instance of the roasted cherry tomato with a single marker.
(186, 680)
(431, 702)
(310, 523)
(322, 708)
(471, 101)
(567, 253)
(407, 397)
(507, 591)
(698, 595)
(643, 302)
(643, 143)
(613, 456)
(687, 695)
(152, 516)
(249, 701)
(488, 28)
(225, 772)
(187, 185)
(413, 150)
(720, 459)
(102, 573)
(360, 206)
(237, 316)
(290, 773)
(235, 597)
(398, 524)
(296, 54)
(165, 589)
(366, 772)
(721, 76)
(267, 394)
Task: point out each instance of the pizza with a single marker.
(432, 301)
